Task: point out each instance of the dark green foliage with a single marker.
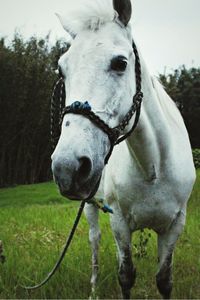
(26, 80)
(196, 157)
(140, 249)
(184, 87)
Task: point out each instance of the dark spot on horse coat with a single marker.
(67, 123)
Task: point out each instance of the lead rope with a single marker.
(62, 255)
(56, 109)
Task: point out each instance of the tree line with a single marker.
(183, 85)
(27, 76)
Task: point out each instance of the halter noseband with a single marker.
(58, 111)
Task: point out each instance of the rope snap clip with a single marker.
(104, 207)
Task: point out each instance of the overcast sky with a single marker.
(168, 32)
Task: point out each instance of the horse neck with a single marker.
(147, 144)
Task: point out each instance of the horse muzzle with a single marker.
(77, 179)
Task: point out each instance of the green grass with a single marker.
(34, 222)
(26, 195)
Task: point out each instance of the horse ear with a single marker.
(64, 24)
(124, 10)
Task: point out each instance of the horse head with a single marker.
(97, 68)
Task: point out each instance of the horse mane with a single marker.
(88, 14)
(166, 103)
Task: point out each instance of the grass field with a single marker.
(34, 222)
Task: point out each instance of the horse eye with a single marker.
(119, 64)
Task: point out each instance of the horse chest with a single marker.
(152, 204)
(147, 207)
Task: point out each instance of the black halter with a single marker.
(58, 111)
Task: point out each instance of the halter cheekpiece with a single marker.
(58, 111)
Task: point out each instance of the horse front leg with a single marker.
(92, 214)
(127, 271)
(166, 245)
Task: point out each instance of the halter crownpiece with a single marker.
(58, 111)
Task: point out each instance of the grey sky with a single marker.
(168, 32)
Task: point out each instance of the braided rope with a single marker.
(62, 255)
(137, 100)
(57, 104)
(112, 134)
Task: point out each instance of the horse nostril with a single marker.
(85, 167)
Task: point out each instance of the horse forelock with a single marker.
(88, 15)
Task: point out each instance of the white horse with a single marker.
(149, 177)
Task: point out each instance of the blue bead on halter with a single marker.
(86, 106)
(77, 105)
